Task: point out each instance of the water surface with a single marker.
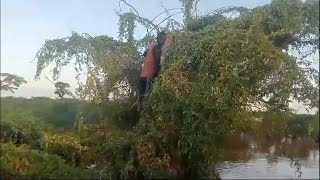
(270, 166)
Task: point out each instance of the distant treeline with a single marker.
(63, 113)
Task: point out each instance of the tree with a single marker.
(11, 82)
(215, 69)
(62, 89)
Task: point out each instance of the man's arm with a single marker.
(156, 52)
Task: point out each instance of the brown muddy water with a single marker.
(272, 162)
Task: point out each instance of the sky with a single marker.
(26, 24)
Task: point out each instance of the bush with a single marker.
(26, 163)
(65, 145)
(21, 126)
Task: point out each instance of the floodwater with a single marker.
(267, 165)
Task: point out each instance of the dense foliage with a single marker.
(108, 149)
(215, 69)
(23, 162)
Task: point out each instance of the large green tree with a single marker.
(216, 69)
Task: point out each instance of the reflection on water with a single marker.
(272, 163)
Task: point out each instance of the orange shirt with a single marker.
(148, 70)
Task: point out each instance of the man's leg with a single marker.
(142, 89)
(148, 87)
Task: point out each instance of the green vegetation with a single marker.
(215, 69)
(23, 162)
(30, 139)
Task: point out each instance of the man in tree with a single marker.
(152, 65)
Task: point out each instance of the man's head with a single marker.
(161, 37)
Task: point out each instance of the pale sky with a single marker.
(26, 24)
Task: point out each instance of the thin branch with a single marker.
(168, 14)
(119, 4)
(221, 10)
(125, 2)
(49, 79)
(167, 10)
(195, 7)
(167, 18)
(87, 35)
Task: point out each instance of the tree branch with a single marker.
(125, 2)
(166, 11)
(167, 18)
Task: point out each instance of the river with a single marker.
(262, 165)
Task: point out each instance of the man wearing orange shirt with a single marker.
(152, 65)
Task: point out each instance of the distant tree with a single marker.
(11, 82)
(62, 89)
